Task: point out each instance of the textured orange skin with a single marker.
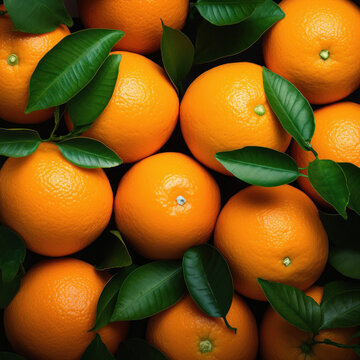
(142, 112)
(337, 137)
(139, 19)
(14, 84)
(281, 341)
(259, 227)
(58, 208)
(217, 114)
(291, 48)
(148, 215)
(50, 316)
(178, 331)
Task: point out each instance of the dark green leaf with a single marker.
(10, 356)
(149, 289)
(328, 179)
(90, 102)
(290, 106)
(260, 166)
(68, 67)
(356, 335)
(177, 52)
(352, 174)
(97, 350)
(88, 153)
(138, 349)
(335, 288)
(214, 42)
(357, 350)
(38, 16)
(18, 142)
(8, 290)
(293, 305)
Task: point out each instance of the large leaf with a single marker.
(10, 356)
(88, 153)
(18, 142)
(97, 350)
(138, 349)
(293, 305)
(69, 67)
(214, 42)
(226, 12)
(291, 108)
(260, 166)
(38, 16)
(328, 179)
(149, 289)
(8, 290)
(335, 288)
(352, 174)
(90, 102)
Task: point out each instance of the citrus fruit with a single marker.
(185, 332)
(165, 204)
(142, 112)
(51, 315)
(272, 233)
(20, 53)
(281, 341)
(139, 19)
(336, 137)
(316, 47)
(225, 109)
(57, 207)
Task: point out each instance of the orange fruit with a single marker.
(20, 53)
(337, 137)
(51, 315)
(281, 341)
(272, 233)
(139, 19)
(225, 109)
(165, 204)
(316, 47)
(185, 332)
(142, 112)
(58, 208)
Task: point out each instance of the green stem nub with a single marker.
(205, 346)
(13, 60)
(324, 54)
(259, 110)
(287, 261)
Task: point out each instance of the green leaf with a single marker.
(226, 12)
(12, 253)
(138, 349)
(90, 102)
(18, 142)
(328, 179)
(97, 350)
(293, 305)
(214, 42)
(177, 52)
(69, 66)
(88, 153)
(290, 106)
(352, 174)
(335, 288)
(260, 166)
(356, 350)
(38, 16)
(10, 356)
(8, 291)
(149, 289)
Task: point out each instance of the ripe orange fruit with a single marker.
(337, 137)
(20, 54)
(271, 233)
(58, 208)
(185, 332)
(142, 112)
(165, 204)
(51, 315)
(281, 341)
(139, 19)
(316, 47)
(226, 109)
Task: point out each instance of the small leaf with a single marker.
(335, 288)
(88, 153)
(90, 102)
(352, 174)
(18, 142)
(214, 42)
(356, 335)
(8, 291)
(293, 305)
(38, 16)
(177, 52)
(10, 356)
(97, 350)
(328, 179)
(260, 166)
(138, 349)
(148, 290)
(356, 350)
(69, 66)
(290, 106)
